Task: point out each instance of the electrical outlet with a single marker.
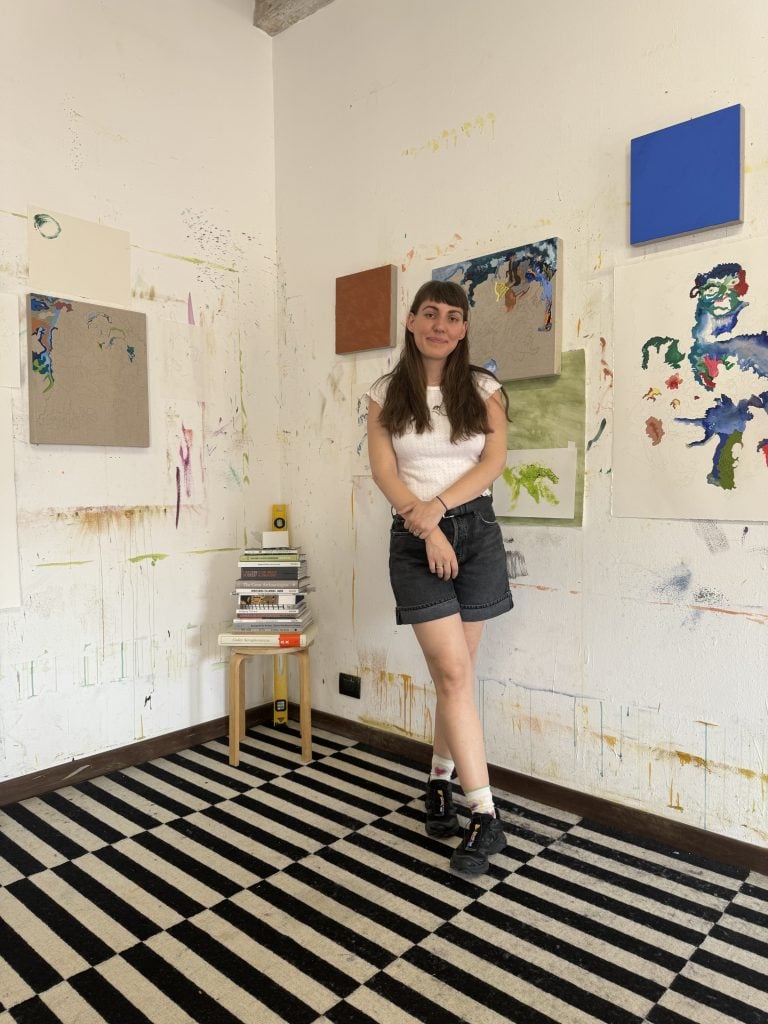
(349, 685)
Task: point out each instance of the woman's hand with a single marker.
(421, 517)
(440, 556)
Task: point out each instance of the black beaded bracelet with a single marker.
(442, 503)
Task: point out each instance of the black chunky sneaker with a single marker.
(483, 836)
(441, 817)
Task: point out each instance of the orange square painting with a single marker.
(365, 310)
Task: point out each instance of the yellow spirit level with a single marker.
(279, 517)
(280, 695)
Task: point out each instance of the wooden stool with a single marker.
(237, 658)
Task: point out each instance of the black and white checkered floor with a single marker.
(186, 890)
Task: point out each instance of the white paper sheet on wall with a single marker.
(70, 257)
(10, 589)
(537, 482)
(690, 434)
(9, 341)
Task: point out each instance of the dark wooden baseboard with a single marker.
(641, 824)
(69, 774)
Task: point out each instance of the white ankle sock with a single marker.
(481, 801)
(442, 768)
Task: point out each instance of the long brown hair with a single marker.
(405, 404)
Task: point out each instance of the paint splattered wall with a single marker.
(633, 666)
(142, 117)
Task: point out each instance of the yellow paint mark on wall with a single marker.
(686, 759)
(96, 519)
(154, 557)
(385, 726)
(437, 250)
(674, 803)
(448, 138)
(399, 698)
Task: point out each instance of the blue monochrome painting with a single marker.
(687, 177)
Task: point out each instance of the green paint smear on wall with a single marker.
(190, 259)
(209, 551)
(153, 557)
(56, 565)
(548, 412)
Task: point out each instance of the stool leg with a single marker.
(305, 706)
(241, 696)
(236, 708)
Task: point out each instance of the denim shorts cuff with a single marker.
(487, 611)
(426, 613)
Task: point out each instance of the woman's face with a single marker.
(437, 329)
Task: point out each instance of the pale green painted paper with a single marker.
(548, 413)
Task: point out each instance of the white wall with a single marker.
(155, 118)
(406, 133)
(410, 133)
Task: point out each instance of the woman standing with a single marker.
(436, 443)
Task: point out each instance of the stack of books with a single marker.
(271, 609)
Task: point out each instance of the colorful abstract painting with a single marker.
(548, 415)
(514, 308)
(688, 176)
(691, 385)
(87, 373)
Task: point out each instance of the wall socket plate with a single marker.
(349, 685)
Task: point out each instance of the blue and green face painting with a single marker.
(720, 291)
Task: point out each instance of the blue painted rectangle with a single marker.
(687, 177)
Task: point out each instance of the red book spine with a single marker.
(290, 640)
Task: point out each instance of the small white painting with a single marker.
(79, 258)
(538, 483)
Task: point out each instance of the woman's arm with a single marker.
(424, 515)
(440, 555)
(383, 460)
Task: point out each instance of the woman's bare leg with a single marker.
(450, 649)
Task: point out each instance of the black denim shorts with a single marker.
(481, 589)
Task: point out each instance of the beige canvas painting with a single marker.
(87, 373)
